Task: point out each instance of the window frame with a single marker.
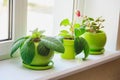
(118, 35)
(19, 22)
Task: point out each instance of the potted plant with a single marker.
(95, 37)
(73, 43)
(37, 50)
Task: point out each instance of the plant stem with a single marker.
(72, 32)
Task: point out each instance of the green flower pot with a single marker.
(39, 61)
(69, 49)
(96, 42)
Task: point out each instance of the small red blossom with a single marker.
(78, 13)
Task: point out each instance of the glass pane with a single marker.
(4, 19)
(40, 15)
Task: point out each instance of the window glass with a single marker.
(4, 20)
(40, 15)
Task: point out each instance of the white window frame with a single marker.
(18, 28)
(118, 36)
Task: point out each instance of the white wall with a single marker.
(109, 9)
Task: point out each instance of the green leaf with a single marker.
(93, 23)
(83, 21)
(17, 44)
(77, 25)
(19, 39)
(78, 45)
(82, 30)
(28, 51)
(60, 38)
(42, 49)
(65, 34)
(86, 48)
(79, 31)
(91, 19)
(53, 44)
(65, 22)
(81, 44)
(36, 33)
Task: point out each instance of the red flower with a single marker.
(78, 13)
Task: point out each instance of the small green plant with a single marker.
(28, 48)
(74, 33)
(74, 29)
(92, 25)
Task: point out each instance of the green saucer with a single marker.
(97, 52)
(50, 65)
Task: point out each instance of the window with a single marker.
(40, 15)
(12, 24)
(5, 25)
(6, 12)
(47, 14)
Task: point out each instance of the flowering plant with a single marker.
(73, 33)
(74, 28)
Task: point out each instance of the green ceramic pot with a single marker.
(96, 42)
(39, 61)
(69, 49)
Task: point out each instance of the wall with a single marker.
(108, 71)
(109, 9)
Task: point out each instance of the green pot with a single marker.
(39, 61)
(69, 49)
(96, 42)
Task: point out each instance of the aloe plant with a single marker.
(27, 45)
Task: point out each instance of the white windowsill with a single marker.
(12, 69)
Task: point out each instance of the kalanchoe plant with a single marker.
(36, 43)
(92, 25)
(73, 33)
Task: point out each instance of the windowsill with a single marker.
(12, 69)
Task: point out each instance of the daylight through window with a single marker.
(40, 15)
(5, 20)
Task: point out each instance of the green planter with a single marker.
(96, 42)
(69, 49)
(39, 61)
